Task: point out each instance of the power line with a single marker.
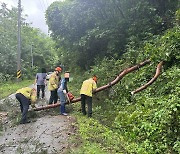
(47, 3)
(42, 7)
(43, 4)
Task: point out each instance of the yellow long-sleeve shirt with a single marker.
(53, 82)
(28, 93)
(87, 87)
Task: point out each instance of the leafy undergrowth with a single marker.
(95, 138)
(8, 88)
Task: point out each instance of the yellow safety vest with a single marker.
(87, 87)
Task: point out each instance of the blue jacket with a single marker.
(63, 85)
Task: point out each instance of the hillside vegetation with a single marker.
(105, 38)
(146, 122)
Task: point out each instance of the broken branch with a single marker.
(158, 70)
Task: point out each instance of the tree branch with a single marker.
(119, 9)
(115, 81)
(158, 70)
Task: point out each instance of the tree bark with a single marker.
(112, 83)
(119, 9)
(158, 70)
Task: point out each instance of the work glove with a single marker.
(64, 91)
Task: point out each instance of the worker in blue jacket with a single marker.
(62, 93)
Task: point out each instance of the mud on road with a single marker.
(48, 133)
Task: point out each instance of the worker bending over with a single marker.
(26, 96)
(87, 89)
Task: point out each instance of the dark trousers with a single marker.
(42, 88)
(53, 97)
(24, 105)
(86, 99)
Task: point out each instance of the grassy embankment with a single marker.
(8, 88)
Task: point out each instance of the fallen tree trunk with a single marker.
(115, 81)
(158, 70)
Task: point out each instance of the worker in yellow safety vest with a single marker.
(26, 96)
(86, 92)
(53, 85)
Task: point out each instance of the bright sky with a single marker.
(35, 9)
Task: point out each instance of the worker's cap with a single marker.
(58, 69)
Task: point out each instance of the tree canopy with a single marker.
(94, 29)
(42, 46)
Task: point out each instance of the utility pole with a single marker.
(32, 57)
(19, 42)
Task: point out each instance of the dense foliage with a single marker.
(42, 47)
(98, 28)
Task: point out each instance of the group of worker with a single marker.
(58, 89)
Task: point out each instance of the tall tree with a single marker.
(94, 29)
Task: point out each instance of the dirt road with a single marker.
(48, 133)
